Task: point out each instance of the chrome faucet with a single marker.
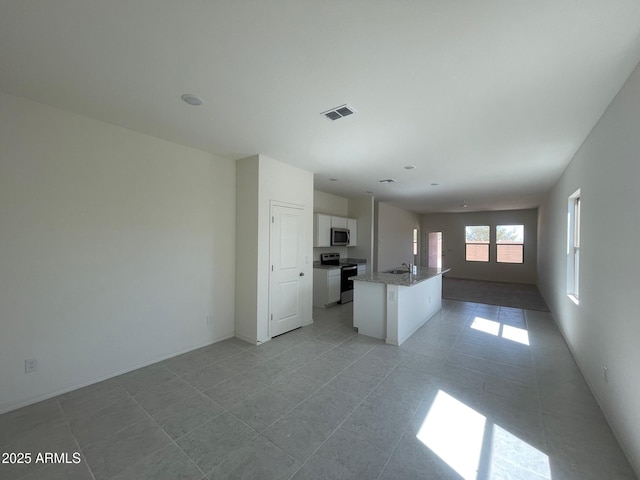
(409, 269)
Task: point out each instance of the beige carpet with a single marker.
(516, 295)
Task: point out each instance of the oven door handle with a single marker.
(349, 271)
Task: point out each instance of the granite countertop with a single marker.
(402, 279)
(353, 260)
(325, 267)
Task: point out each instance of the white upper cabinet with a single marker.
(352, 225)
(323, 225)
(322, 230)
(338, 222)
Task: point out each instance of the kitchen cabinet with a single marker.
(352, 225)
(324, 223)
(322, 230)
(392, 307)
(326, 286)
(338, 222)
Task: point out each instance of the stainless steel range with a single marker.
(347, 270)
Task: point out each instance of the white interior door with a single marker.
(287, 276)
(435, 249)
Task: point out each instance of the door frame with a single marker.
(272, 204)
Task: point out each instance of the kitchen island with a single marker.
(392, 306)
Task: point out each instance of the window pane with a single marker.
(573, 246)
(477, 252)
(509, 253)
(576, 228)
(477, 234)
(510, 234)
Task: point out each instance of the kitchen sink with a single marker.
(397, 271)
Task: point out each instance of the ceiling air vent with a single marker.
(387, 180)
(339, 112)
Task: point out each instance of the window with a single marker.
(415, 246)
(510, 243)
(477, 243)
(573, 246)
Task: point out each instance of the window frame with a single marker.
(467, 243)
(574, 206)
(498, 244)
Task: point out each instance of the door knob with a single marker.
(302, 274)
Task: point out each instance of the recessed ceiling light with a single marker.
(435, 184)
(333, 179)
(368, 191)
(409, 167)
(191, 99)
(387, 180)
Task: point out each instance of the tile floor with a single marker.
(479, 392)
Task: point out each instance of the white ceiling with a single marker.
(489, 99)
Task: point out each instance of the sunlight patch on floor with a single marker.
(519, 335)
(515, 334)
(510, 453)
(454, 432)
(485, 325)
(465, 440)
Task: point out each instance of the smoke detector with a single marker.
(339, 112)
(387, 180)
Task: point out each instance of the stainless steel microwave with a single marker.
(340, 236)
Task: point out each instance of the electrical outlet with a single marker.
(30, 365)
(209, 320)
(605, 373)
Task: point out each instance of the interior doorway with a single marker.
(435, 250)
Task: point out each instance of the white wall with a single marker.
(394, 236)
(603, 330)
(279, 182)
(330, 204)
(452, 226)
(246, 278)
(115, 247)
